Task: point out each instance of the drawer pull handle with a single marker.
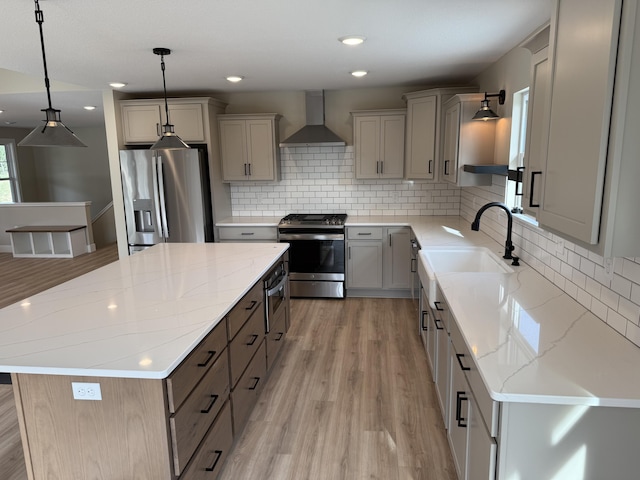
(459, 356)
(247, 233)
(423, 324)
(254, 337)
(364, 233)
(210, 355)
(438, 308)
(280, 335)
(255, 385)
(414, 265)
(215, 462)
(437, 321)
(460, 397)
(251, 305)
(210, 406)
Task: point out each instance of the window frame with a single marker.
(9, 145)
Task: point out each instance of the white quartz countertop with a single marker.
(138, 317)
(249, 222)
(533, 343)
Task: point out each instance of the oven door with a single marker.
(275, 294)
(315, 256)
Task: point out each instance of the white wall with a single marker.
(338, 106)
(75, 174)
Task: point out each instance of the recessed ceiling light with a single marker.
(89, 107)
(117, 84)
(234, 78)
(352, 40)
(1, 111)
(359, 73)
(10, 123)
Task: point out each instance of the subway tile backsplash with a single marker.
(610, 288)
(321, 180)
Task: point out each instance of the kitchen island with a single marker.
(126, 331)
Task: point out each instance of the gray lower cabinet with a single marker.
(504, 440)
(379, 258)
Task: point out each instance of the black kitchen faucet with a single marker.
(508, 246)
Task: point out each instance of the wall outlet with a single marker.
(395, 194)
(86, 391)
(560, 246)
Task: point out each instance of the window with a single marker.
(9, 187)
(516, 151)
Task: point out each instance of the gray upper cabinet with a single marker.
(378, 139)
(590, 192)
(424, 132)
(249, 147)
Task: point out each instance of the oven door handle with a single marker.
(311, 236)
(278, 287)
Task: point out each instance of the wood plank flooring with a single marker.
(349, 398)
(21, 278)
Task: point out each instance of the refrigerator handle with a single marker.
(163, 208)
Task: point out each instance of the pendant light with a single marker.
(169, 139)
(485, 113)
(54, 133)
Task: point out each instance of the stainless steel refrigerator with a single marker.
(167, 197)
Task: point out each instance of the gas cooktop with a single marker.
(314, 219)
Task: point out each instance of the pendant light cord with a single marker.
(164, 86)
(40, 21)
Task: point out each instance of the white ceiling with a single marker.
(274, 44)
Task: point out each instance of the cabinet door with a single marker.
(432, 345)
(582, 79)
(449, 167)
(397, 257)
(260, 149)
(392, 146)
(188, 121)
(421, 138)
(458, 415)
(482, 448)
(537, 121)
(442, 365)
(141, 123)
(233, 149)
(366, 139)
(364, 265)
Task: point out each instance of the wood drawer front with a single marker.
(364, 233)
(251, 302)
(209, 459)
(247, 233)
(245, 396)
(276, 336)
(245, 344)
(195, 416)
(489, 408)
(185, 377)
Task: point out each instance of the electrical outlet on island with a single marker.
(86, 391)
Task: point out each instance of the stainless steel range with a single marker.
(316, 254)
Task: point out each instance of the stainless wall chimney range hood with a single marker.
(314, 133)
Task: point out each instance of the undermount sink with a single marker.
(458, 259)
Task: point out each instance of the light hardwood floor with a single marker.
(19, 279)
(350, 398)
